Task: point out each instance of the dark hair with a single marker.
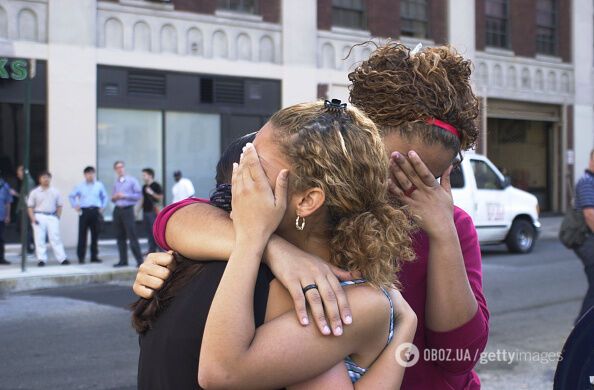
(44, 173)
(89, 169)
(231, 155)
(118, 162)
(149, 171)
(146, 311)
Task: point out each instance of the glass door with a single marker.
(192, 146)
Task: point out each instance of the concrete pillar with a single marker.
(583, 58)
(462, 26)
(462, 35)
(71, 96)
(300, 51)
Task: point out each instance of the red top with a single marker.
(447, 358)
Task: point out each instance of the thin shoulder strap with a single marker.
(353, 282)
(391, 330)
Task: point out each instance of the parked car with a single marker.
(501, 212)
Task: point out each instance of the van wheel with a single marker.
(521, 237)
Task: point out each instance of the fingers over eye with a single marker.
(409, 172)
(421, 169)
(399, 177)
(252, 162)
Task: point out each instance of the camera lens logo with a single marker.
(407, 354)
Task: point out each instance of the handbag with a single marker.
(574, 230)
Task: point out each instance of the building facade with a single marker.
(167, 84)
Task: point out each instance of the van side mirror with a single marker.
(506, 181)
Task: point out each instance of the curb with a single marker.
(28, 283)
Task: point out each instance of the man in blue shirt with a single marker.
(126, 193)
(584, 201)
(5, 200)
(89, 198)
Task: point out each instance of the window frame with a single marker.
(503, 38)
(225, 5)
(553, 44)
(415, 19)
(342, 8)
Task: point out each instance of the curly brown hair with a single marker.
(341, 152)
(400, 91)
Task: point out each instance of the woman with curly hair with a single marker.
(316, 176)
(423, 104)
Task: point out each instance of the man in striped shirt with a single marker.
(584, 201)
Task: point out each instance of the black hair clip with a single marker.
(335, 105)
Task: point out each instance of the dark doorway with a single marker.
(521, 149)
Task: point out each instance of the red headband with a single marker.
(446, 126)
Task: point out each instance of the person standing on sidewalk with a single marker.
(45, 208)
(5, 199)
(20, 200)
(126, 193)
(584, 201)
(183, 188)
(152, 195)
(89, 198)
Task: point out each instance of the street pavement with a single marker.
(534, 300)
(81, 338)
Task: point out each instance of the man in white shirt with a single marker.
(183, 188)
(44, 208)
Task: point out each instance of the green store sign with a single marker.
(13, 69)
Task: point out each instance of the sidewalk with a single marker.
(55, 275)
(12, 279)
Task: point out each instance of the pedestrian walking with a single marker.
(183, 188)
(20, 195)
(45, 208)
(584, 202)
(152, 195)
(89, 198)
(5, 200)
(126, 193)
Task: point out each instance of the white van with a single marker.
(501, 213)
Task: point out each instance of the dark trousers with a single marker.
(88, 220)
(586, 254)
(2, 240)
(124, 223)
(148, 219)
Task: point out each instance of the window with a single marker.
(130, 135)
(349, 14)
(245, 6)
(546, 27)
(413, 18)
(192, 145)
(497, 28)
(486, 178)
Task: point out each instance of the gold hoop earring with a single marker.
(300, 226)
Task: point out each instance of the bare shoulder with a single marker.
(369, 301)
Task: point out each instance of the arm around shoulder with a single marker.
(200, 231)
(283, 352)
